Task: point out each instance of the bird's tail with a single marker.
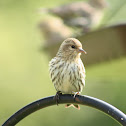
(73, 105)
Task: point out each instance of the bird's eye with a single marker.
(73, 46)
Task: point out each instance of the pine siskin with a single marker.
(67, 70)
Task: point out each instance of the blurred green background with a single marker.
(24, 74)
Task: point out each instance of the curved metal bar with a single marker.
(67, 98)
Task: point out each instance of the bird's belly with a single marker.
(67, 87)
(69, 79)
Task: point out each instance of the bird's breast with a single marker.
(72, 80)
(67, 77)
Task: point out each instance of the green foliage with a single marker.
(24, 70)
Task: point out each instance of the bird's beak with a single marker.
(82, 51)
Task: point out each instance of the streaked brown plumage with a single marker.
(66, 69)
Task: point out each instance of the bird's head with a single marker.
(71, 48)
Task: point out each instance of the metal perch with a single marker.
(67, 98)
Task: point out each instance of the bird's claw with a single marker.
(57, 96)
(76, 93)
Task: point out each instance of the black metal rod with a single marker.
(67, 98)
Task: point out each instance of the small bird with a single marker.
(53, 30)
(80, 14)
(67, 71)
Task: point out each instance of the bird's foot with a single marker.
(57, 96)
(75, 93)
